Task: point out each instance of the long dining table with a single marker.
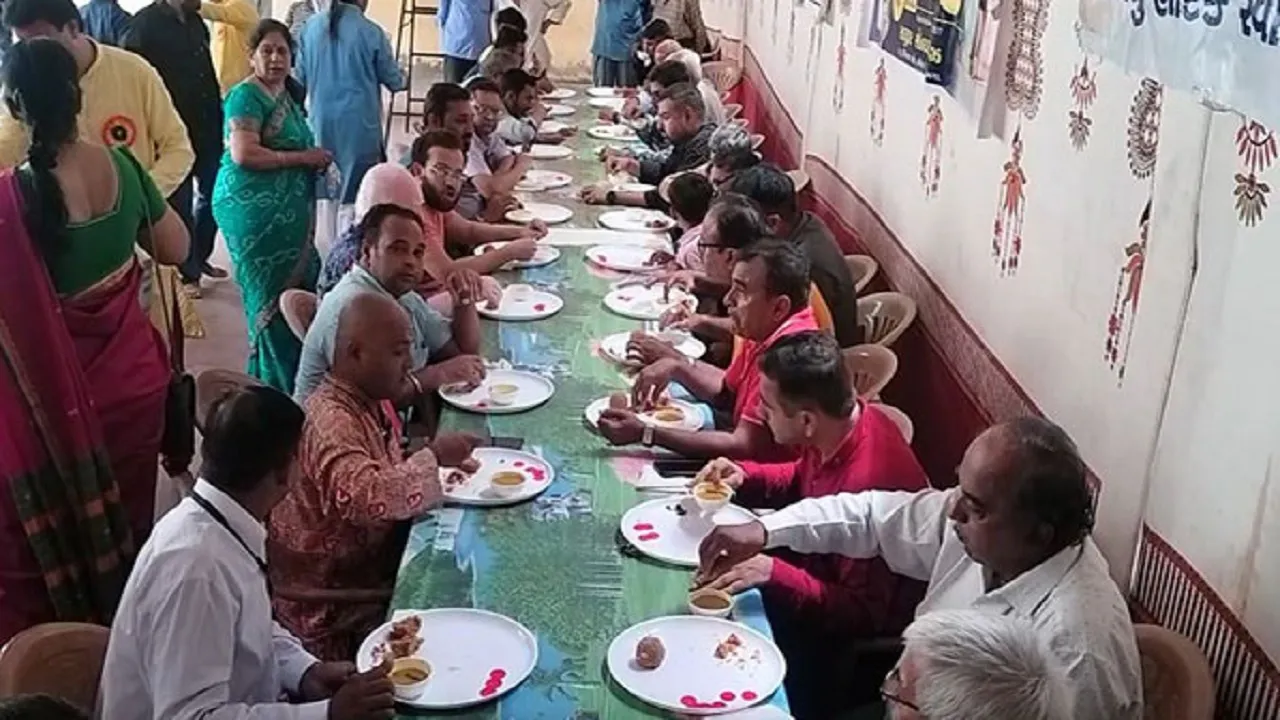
(555, 563)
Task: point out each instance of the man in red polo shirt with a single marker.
(767, 300)
(821, 606)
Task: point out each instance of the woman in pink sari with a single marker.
(84, 373)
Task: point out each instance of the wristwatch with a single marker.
(646, 436)
(610, 197)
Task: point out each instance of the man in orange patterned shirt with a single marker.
(344, 523)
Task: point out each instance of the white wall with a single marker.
(1202, 478)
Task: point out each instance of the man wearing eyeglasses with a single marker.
(1012, 539)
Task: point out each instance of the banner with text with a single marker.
(1228, 51)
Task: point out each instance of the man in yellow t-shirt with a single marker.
(124, 103)
(233, 23)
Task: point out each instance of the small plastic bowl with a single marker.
(503, 393)
(518, 291)
(711, 603)
(702, 495)
(507, 483)
(407, 689)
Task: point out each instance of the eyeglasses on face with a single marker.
(891, 692)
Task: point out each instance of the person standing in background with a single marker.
(172, 36)
(344, 59)
(464, 34)
(618, 24)
(233, 22)
(104, 21)
(685, 20)
(542, 14)
(299, 13)
(123, 103)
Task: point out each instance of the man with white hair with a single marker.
(971, 665)
(710, 98)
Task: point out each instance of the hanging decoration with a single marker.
(1084, 91)
(931, 155)
(837, 95)
(1006, 240)
(877, 103)
(1142, 144)
(1024, 66)
(1256, 146)
(1124, 310)
(1144, 128)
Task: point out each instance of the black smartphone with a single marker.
(507, 443)
(678, 467)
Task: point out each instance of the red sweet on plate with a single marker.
(643, 526)
(689, 701)
(539, 307)
(727, 696)
(749, 696)
(518, 463)
(649, 536)
(497, 674)
(486, 691)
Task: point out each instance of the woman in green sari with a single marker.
(264, 201)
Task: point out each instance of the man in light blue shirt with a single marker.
(464, 34)
(105, 21)
(618, 25)
(391, 262)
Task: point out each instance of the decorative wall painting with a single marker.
(1084, 91)
(1006, 238)
(1256, 146)
(879, 85)
(1143, 143)
(931, 156)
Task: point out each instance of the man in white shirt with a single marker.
(1012, 539)
(193, 637)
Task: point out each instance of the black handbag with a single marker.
(178, 445)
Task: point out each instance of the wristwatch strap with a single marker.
(646, 436)
(611, 197)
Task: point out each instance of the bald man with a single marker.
(343, 524)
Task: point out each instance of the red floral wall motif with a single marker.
(880, 84)
(1084, 90)
(1024, 66)
(1006, 239)
(1256, 146)
(931, 155)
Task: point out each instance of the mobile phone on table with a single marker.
(677, 467)
(506, 442)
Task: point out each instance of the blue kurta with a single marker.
(464, 27)
(342, 76)
(618, 24)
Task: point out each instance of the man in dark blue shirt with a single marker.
(173, 37)
(105, 21)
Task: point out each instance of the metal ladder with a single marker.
(413, 106)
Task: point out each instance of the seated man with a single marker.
(492, 169)
(710, 97)
(767, 302)
(506, 53)
(968, 664)
(1012, 539)
(822, 605)
(642, 113)
(653, 33)
(732, 223)
(524, 112)
(689, 195)
(391, 252)
(775, 194)
(193, 636)
(390, 184)
(682, 114)
(731, 153)
(344, 521)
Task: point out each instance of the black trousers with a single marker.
(193, 201)
(456, 68)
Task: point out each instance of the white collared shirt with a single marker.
(1070, 598)
(193, 636)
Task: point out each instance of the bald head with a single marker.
(372, 348)
(665, 49)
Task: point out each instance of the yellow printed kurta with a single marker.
(232, 22)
